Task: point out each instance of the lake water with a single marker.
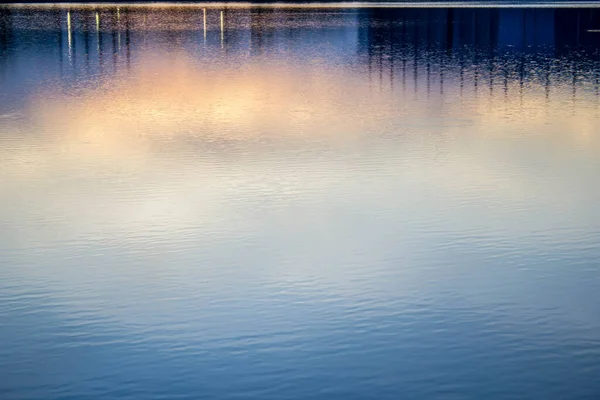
(299, 203)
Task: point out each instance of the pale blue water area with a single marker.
(307, 203)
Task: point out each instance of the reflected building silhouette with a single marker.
(6, 37)
(491, 45)
(261, 33)
(5, 29)
(126, 13)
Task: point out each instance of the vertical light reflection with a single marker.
(118, 29)
(204, 23)
(69, 34)
(222, 35)
(98, 32)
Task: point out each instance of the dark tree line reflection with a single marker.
(417, 48)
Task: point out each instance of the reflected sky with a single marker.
(299, 202)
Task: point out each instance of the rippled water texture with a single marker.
(276, 203)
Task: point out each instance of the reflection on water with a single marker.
(299, 203)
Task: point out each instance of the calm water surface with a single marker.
(276, 203)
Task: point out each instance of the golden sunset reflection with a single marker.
(211, 102)
(180, 108)
(181, 97)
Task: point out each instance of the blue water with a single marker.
(307, 203)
